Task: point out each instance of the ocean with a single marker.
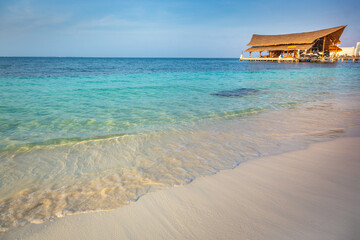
(91, 134)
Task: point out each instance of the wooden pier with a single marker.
(292, 59)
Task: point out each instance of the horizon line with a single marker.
(106, 57)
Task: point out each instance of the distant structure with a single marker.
(347, 51)
(350, 51)
(316, 46)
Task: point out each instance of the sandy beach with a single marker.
(308, 194)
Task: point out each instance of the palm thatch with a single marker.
(295, 38)
(294, 41)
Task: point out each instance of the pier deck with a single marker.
(291, 59)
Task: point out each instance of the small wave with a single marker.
(52, 143)
(56, 142)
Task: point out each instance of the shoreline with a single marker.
(208, 149)
(304, 194)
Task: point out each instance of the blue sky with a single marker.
(161, 28)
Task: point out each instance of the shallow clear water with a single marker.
(85, 134)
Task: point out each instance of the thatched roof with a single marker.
(280, 48)
(296, 38)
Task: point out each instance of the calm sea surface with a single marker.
(88, 134)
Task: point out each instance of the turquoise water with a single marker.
(56, 107)
(87, 134)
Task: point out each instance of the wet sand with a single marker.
(308, 194)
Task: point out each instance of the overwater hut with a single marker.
(319, 43)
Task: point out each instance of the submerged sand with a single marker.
(307, 194)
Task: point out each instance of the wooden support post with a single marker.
(323, 52)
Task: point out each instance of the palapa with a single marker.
(295, 41)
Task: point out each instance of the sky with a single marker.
(161, 28)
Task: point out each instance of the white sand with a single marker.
(309, 194)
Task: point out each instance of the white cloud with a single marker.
(111, 23)
(24, 15)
